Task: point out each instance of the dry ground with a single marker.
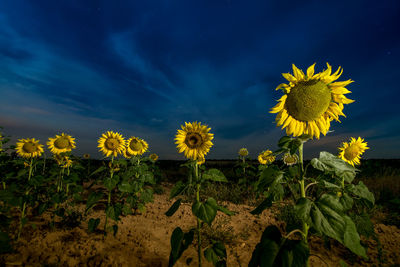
(144, 240)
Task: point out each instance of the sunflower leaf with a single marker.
(205, 211)
(214, 175)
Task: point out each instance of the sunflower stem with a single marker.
(302, 189)
(109, 193)
(196, 172)
(24, 205)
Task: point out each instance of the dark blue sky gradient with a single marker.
(143, 68)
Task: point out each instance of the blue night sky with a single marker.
(143, 68)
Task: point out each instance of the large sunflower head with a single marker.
(311, 101)
(111, 143)
(243, 152)
(136, 146)
(29, 148)
(194, 140)
(351, 152)
(61, 143)
(266, 157)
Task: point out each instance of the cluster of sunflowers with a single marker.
(110, 143)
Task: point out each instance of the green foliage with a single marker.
(274, 250)
(180, 241)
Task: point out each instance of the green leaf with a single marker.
(92, 224)
(269, 176)
(114, 212)
(214, 175)
(205, 211)
(111, 183)
(328, 218)
(273, 250)
(225, 210)
(332, 164)
(179, 243)
(352, 239)
(330, 185)
(100, 169)
(284, 141)
(146, 195)
(93, 198)
(125, 187)
(216, 253)
(303, 208)
(173, 208)
(346, 201)
(177, 189)
(148, 177)
(294, 146)
(361, 190)
(263, 205)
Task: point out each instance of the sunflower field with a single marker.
(133, 209)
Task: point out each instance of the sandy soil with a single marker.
(144, 240)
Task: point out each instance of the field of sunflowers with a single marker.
(125, 210)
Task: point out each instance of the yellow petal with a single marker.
(297, 73)
(310, 71)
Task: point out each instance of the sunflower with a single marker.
(136, 146)
(243, 152)
(111, 143)
(351, 152)
(194, 140)
(289, 159)
(29, 148)
(265, 157)
(311, 101)
(86, 156)
(126, 154)
(61, 143)
(153, 157)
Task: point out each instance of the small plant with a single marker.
(195, 141)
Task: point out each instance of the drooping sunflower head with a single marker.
(311, 101)
(136, 146)
(243, 152)
(111, 143)
(266, 157)
(289, 159)
(351, 152)
(86, 156)
(67, 162)
(29, 148)
(201, 161)
(194, 140)
(126, 154)
(153, 157)
(61, 143)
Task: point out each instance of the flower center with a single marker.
(61, 143)
(308, 100)
(193, 140)
(111, 144)
(136, 145)
(29, 147)
(351, 152)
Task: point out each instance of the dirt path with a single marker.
(144, 240)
